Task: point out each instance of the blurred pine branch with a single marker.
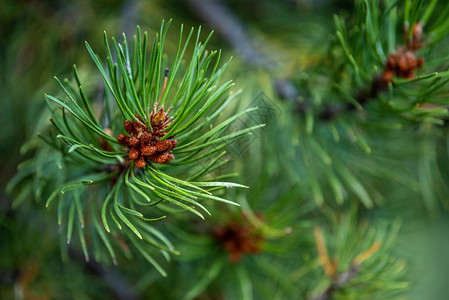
(360, 144)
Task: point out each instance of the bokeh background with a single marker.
(42, 38)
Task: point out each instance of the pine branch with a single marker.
(345, 239)
(222, 19)
(123, 183)
(337, 284)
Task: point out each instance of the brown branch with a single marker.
(221, 19)
(229, 26)
(378, 85)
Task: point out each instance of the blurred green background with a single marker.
(43, 38)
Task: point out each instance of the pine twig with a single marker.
(229, 26)
(330, 111)
(215, 13)
(338, 283)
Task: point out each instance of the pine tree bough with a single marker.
(402, 63)
(123, 183)
(155, 146)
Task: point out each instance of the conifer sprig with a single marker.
(119, 165)
(383, 83)
(354, 259)
(398, 64)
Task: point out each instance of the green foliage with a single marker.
(88, 170)
(362, 146)
(350, 140)
(358, 258)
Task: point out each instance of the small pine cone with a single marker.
(173, 144)
(139, 126)
(147, 150)
(420, 62)
(161, 158)
(134, 142)
(140, 162)
(387, 76)
(128, 126)
(391, 62)
(104, 144)
(402, 64)
(231, 245)
(409, 75)
(163, 145)
(145, 138)
(169, 158)
(133, 153)
(235, 256)
(417, 31)
(411, 60)
(108, 131)
(154, 158)
(138, 117)
(123, 139)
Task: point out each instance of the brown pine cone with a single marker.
(133, 153)
(147, 150)
(161, 158)
(173, 144)
(145, 138)
(140, 162)
(134, 142)
(123, 139)
(128, 127)
(163, 145)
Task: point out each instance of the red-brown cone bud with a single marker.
(163, 145)
(128, 126)
(136, 125)
(133, 153)
(139, 126)
(391, 62)
(147, 150)
(134, 142)
(420, 62)
(138, 117)
(402, 64)
(145, 138)
(140, 162)
(123, 139)
(411, 60)
(173, 144)
(161, 158)
(387, 76)
(108, 131)
(417, 31)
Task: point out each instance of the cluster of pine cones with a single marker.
(144, 144)
(404, 61)
(238, 239)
